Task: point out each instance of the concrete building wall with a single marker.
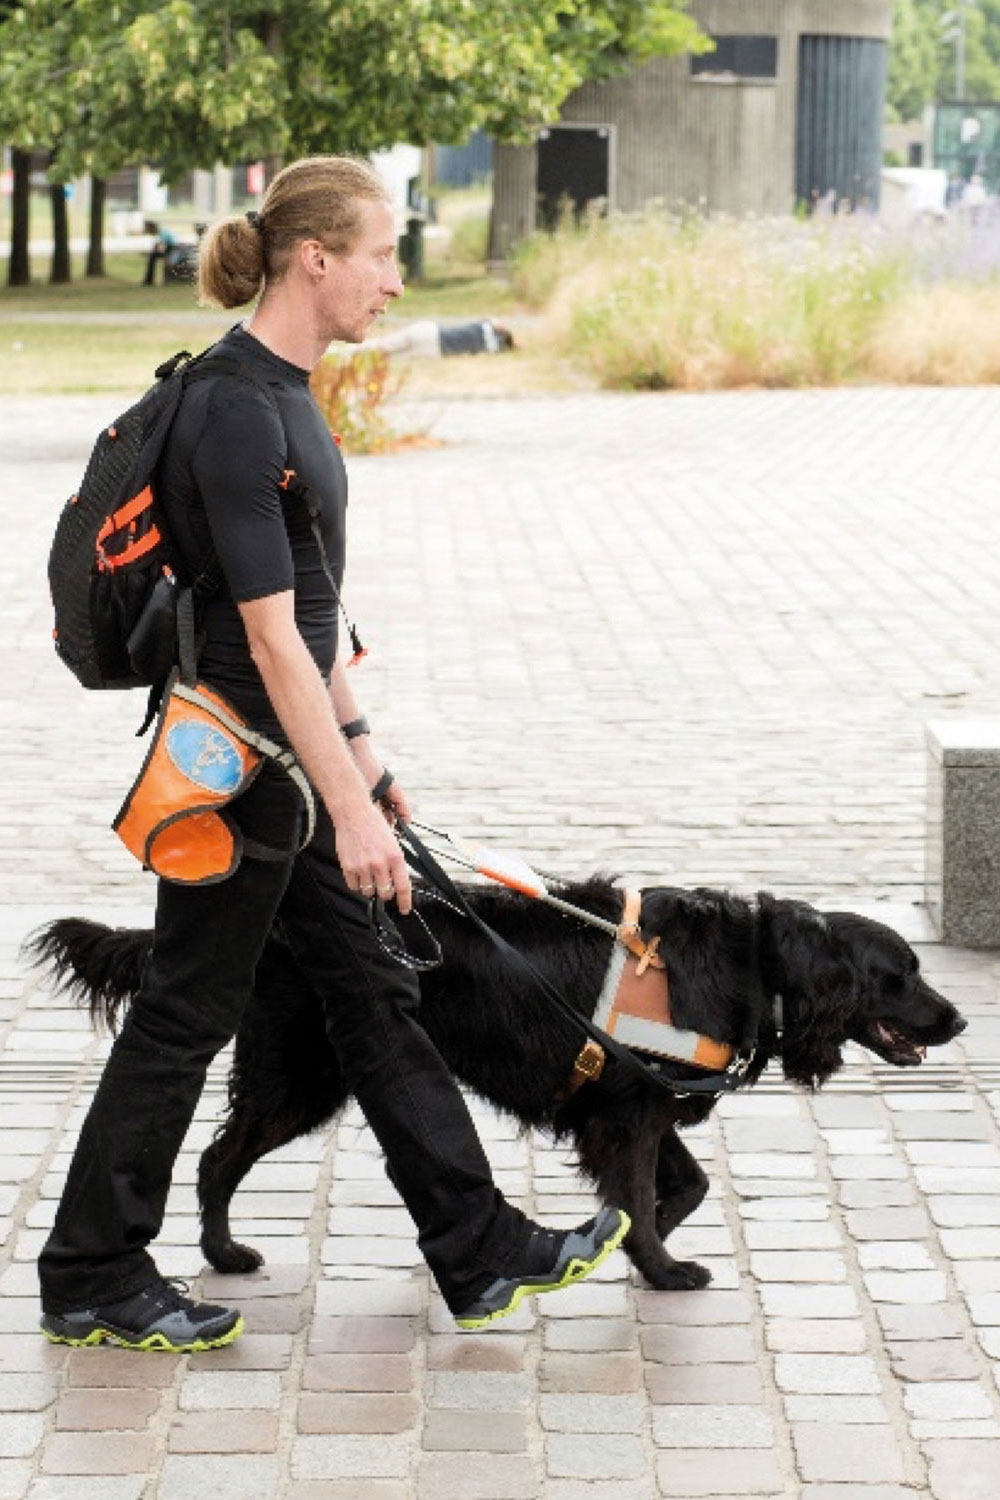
(677, 137)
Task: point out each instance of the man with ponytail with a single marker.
(318, 263)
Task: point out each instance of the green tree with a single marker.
(182, 84)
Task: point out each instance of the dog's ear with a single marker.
(818, 987)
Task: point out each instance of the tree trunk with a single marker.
(19, 266)
(60, 235)
(95, 252)
(273, 29)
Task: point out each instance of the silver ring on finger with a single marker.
(367, 890)
(386, 890)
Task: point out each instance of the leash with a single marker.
(423, 862)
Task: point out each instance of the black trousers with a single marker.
(207, 943)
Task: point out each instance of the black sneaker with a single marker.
(158, 1317)
(550, 1260)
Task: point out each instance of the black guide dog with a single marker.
(839, 977)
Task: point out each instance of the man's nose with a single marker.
(393, 285)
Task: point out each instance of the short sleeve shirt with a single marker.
(221, 480)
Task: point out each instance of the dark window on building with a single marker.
(741, 56)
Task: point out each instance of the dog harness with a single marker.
(634, 1007)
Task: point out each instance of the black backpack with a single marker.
(122, 606)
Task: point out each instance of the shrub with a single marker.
(665, 301)
(351, 391)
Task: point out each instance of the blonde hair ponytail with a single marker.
(318, 198)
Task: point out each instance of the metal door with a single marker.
(574, 166)
(838, 145)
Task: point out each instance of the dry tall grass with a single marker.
(658, 302)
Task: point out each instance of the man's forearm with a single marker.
(306, 713)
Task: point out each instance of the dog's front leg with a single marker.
(623, 1157)
(681, 1184)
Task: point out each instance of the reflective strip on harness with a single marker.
(634, 1004)
(120, 518)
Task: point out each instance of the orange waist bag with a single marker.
(203, 756)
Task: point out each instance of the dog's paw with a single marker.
(233, 1259)
(681, 1276)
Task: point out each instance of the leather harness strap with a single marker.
(634, 1007)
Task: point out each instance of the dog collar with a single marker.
(634, 1007)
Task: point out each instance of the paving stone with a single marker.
(251, 1351)
(944, 1400)
(846, 1452)
(15, 1477)
(369, 1335)
(467, 1352)
(715, 1472)
(700, 1385)
(27, 1392)
(362, 1299)
(599, 1489)
(692, 1346)
(476, 1431)
(940, 1125)
(887, 1223)
(338, 1457)
(356, 1411)
(482, 1390)
(240, 1432)
(793, 1266)
(860, 1194)
(210, 1390)
(814, 1336)
(828, 1374)
(963, 1469)
(612, 1374)
(83, 1409)
(906, 1286)
(857, 1492)
(793, 1236)
(894, 1255)
(451, 1476)
(785, 1210)
(902, 1321)
(924, 1428)
(961, 1211)
(712, 1426)
(941, 1359)
(27, 1352)
(78, 1487)
(193, 1476)
(359, 1372)
(575, 1412)
(604, 1455)
(20, 1434)
(696, 1309)
(588, 1334)
(840, 1409)
(97, 1453)
(349, 1489)
(781, 1301)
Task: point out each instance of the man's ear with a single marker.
(312, 256)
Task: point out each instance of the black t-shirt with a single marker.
(220, 481)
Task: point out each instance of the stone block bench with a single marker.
(963, 830)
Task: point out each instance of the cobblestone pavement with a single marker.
(693, 639)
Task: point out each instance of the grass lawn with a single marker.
(53, 339)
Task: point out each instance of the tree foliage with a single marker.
(922, 54)
(186, 83)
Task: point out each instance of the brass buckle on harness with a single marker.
(590, 1061)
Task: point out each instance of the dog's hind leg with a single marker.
(681, 1184)
(243, 1140)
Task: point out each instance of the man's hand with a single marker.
(369, 855)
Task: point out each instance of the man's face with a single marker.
(356, 287)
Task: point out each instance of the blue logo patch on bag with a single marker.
(205, 756)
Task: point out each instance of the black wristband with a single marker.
(354, 728)
(382, 785)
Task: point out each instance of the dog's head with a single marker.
(846, 978)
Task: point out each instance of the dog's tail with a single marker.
(100, 967)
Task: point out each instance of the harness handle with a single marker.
(421, 860)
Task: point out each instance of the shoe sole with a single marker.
(577, 1270)
(152, 1344)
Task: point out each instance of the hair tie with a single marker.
(253, 219)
